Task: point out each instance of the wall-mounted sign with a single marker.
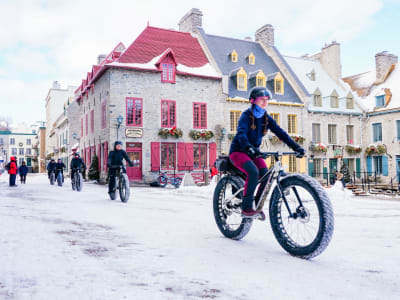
(133, 132)
(338, 153)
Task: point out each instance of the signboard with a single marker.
(338, 153)
(133, 132)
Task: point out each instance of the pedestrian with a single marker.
(12, 169)
(339, 176)
(23, 171)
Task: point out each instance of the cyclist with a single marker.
(51, 166)
(115, 159)
(76, 164)
(253, 125)
(60, 166)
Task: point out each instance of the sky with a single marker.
(44, 41)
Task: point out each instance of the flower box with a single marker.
(201, 134)
(173, 132)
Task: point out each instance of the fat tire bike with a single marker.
(52, 177)
(59, 177)
(300, 211)
(164, 178)
(77, 180)
(122, 184)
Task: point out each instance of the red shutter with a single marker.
(155, 156)
(213, 153)
(105, 155)
(181, 157)
(189, 156)
(99, 156)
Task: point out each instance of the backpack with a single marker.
(8, 166)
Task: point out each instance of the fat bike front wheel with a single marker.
(308, 229)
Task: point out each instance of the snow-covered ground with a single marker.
(164, 244)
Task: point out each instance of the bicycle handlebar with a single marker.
(279, 153)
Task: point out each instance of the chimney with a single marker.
(383, 62)
(265, 35)
(329, 58)
(191, 21)
(100, 58)
(56, 85)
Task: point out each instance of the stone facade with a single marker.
(383, 62)
(191, 20)
(265, 35)
(330, 60)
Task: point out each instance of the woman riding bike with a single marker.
(254, 123)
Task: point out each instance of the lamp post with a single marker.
(120, 119)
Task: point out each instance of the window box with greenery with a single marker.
(318, 147)
(353, 149)
(375, 149)
(201, 134)
(274, 140)
(298, 138)
(173, 132)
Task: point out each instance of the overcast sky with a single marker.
(43, 41)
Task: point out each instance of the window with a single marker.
(14, 151)
(275, 116)
(234, 117)
(92, 121)
(334, 101)
(380, 101)
(200, 115)
(260, 79)
(28, 141)
(377, 132)
(292, 124)
(168, 113)
(292, 164)
(12, 141)
(260, 82)
(378, 164)
(168, 72)
(103, 115)
(316, 167)
(199, 156)
(20, 161)
(349, 103)
(316, 133)
(332, 134)
(28, 151)
(398, 129)
(350, 134)
(168, 155)
(86, 124)
(252, 59)
(134, 112)
(234, 56)
(21, 151)
(1, 141)
(317, 100)
(278, 86)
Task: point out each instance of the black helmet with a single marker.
(259, 91)
(117, 143)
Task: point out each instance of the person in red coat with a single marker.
(12, 170)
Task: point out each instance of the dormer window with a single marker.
(380, 101)
(278, 84)
(252, 59)
(234, 56)
(168, 72)
(260, 79)
(311, 75)
(241, 80)
(334, 100)
(317, 99)
(349, 101)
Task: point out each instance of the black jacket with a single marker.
(60, 166)
(116, 157)
(76, 163)
(51, 166)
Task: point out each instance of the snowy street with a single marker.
(164, 244)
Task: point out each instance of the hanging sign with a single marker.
(133, 132)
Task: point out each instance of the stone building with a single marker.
(380, 96)
(160, 97)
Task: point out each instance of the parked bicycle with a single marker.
(300, 211)
(76, 179)
(164, 179)
(122, 184)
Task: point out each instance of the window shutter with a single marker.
(105, 155)
(181, 157)
(99, 156)
(310, 167)
(385, 169)
(155, 156)
(189, 156)
(213, 153)
(358, 168)
(369, 165)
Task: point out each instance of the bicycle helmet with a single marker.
(116, 143)
(257, 92)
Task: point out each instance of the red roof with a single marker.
(152, 42)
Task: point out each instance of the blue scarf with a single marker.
(258, 111)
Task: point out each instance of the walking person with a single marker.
(23, 171)
(12, 169)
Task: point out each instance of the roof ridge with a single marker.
(302, 58)
(352, 76)
(171, 30)
(230, 38)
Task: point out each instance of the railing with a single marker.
(199, 175)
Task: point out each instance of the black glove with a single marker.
(253, 152)
(131, 164)
(300, 152)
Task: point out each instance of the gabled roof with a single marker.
(220, 48)
(361, 83)
(153, 41)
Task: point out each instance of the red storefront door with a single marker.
(134, 151)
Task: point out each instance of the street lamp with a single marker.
(120, 119)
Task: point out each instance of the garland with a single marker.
(375, 149)
(201, 134)
(274, 140)
(319, 147)
(173, 132)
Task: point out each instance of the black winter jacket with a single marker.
(116, 157)
(76, 163)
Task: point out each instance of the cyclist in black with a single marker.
(76, 164)
(51, 166)
(115, 159)
(60, 166)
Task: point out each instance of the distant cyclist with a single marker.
(76, 164)
(51, 166)
(115, 159)
(60, 166)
